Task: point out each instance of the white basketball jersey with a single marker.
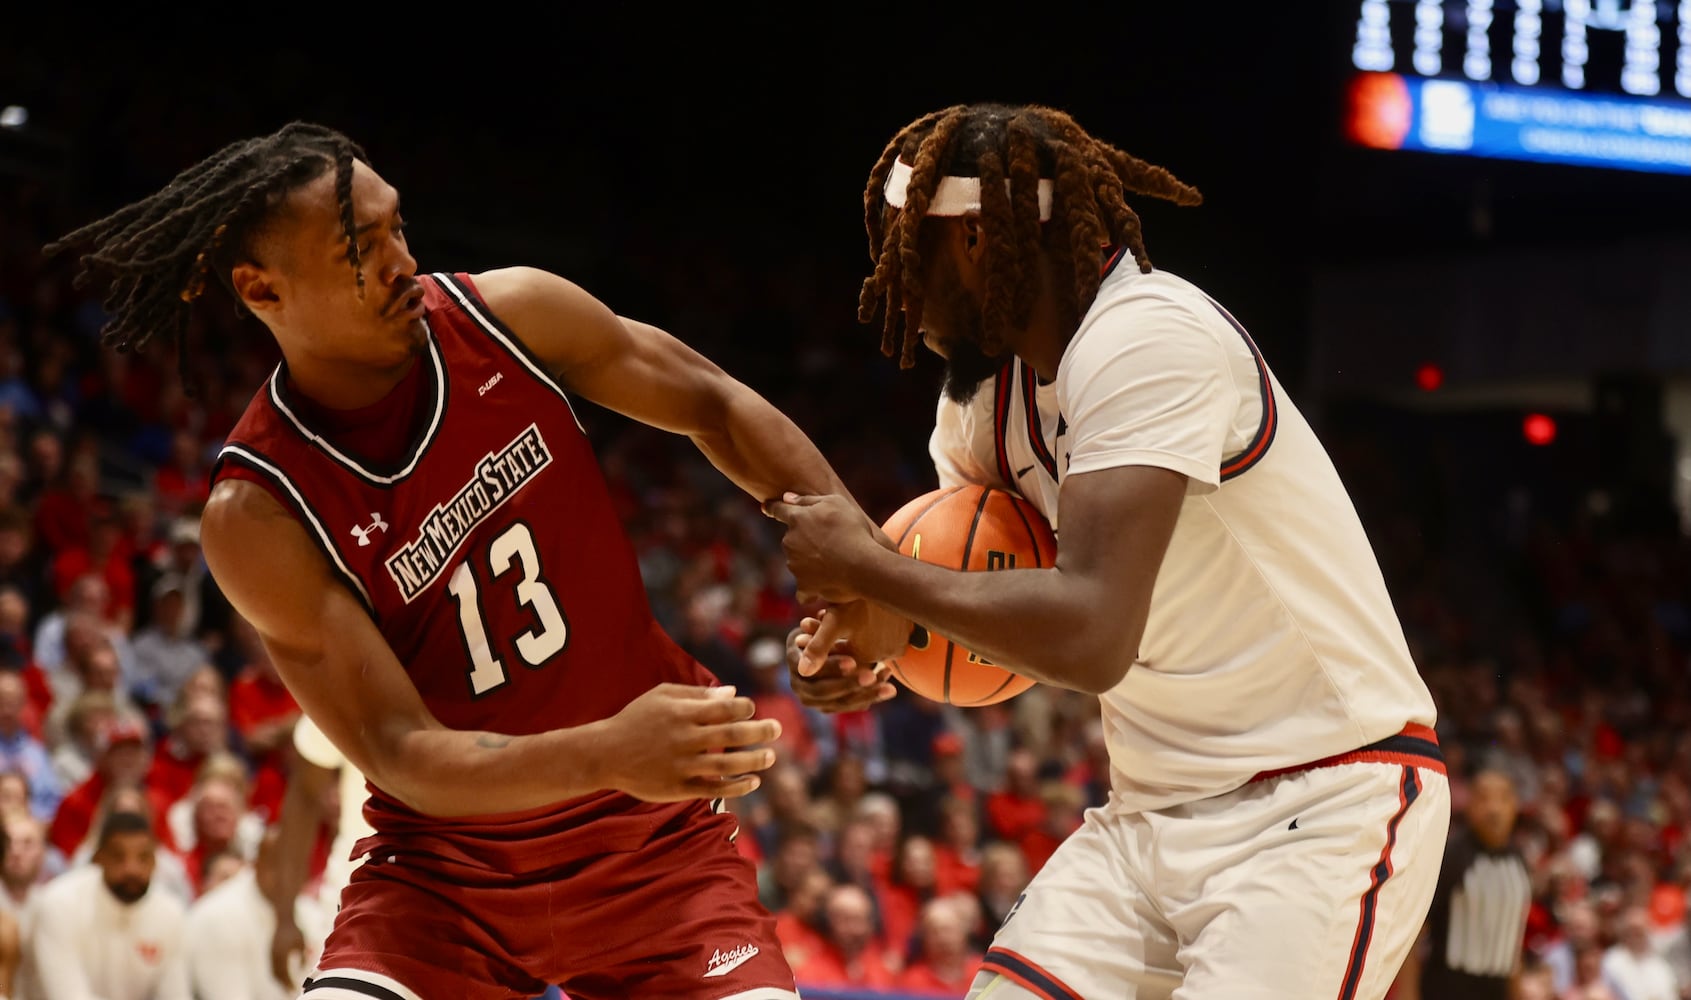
(1272, 640)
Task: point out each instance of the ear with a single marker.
(974, 246)
(255, 287)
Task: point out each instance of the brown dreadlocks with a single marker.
(1023, 143)
(159, 251)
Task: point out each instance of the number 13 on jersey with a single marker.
(512, 550)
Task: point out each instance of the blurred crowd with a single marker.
(890, 843)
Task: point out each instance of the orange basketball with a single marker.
(967, 528)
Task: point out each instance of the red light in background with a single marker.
(1429, 377)
(1538, 429)
(1381, 110)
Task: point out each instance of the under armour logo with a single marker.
(362, 531)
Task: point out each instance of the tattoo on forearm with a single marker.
(493, 741)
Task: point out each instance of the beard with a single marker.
(128, 891)
(966, 370)
(967, 366)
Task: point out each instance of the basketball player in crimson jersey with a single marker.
(411, 516)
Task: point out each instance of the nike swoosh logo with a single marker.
(726, 967)
(1022, 472)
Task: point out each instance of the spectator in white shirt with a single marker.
(230, 930)
(24, 865)
(98, 933)
(1632, 965)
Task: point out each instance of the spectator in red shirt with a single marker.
(1017, 810)
(951, 777)
(18, 566)
(106, 555)
(184, 481)
(903, 896)
(796, 855)
(957, 855)
(1064, 805)
(851, 955)
(798, 924)
(122, 763)
(65, 508)
(881, 812)
(198, 729)
(945, 963)
(844, 785)
(213, 819)
(263, 713)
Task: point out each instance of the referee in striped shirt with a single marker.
(1470, 948)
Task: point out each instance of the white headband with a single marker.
(955, 195)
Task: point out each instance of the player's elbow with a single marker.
(1091, 661)
(1099, 674)
(1095, 651)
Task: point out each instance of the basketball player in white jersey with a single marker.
(1279, 804)
(317, 768)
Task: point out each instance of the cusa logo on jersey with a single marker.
(497, 477)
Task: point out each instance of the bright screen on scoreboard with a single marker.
(1603, 83)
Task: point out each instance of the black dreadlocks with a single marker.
(159, 251)
(1021, 143)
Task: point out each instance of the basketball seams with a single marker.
(936, 674)
(1033, 537)
(968, 552)
(923, 512)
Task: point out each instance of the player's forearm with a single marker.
(762, 451)
(1040, 623)
(448, 772)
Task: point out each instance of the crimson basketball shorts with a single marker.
(678, 917)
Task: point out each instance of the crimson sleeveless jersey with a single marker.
(492, 559)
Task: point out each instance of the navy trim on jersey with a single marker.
(1112, 257)
(262, 465)
(1409, 789)
(1001, 420)
(478, 310)
(385, 474)
(1036, 432)
(1028, 975)
(1258, 447)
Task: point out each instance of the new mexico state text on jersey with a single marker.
(496, 478)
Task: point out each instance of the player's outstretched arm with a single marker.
(665, 746)
(645, 373)
(1076, 625)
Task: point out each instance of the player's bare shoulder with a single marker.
(257, 550)
(236, 510)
